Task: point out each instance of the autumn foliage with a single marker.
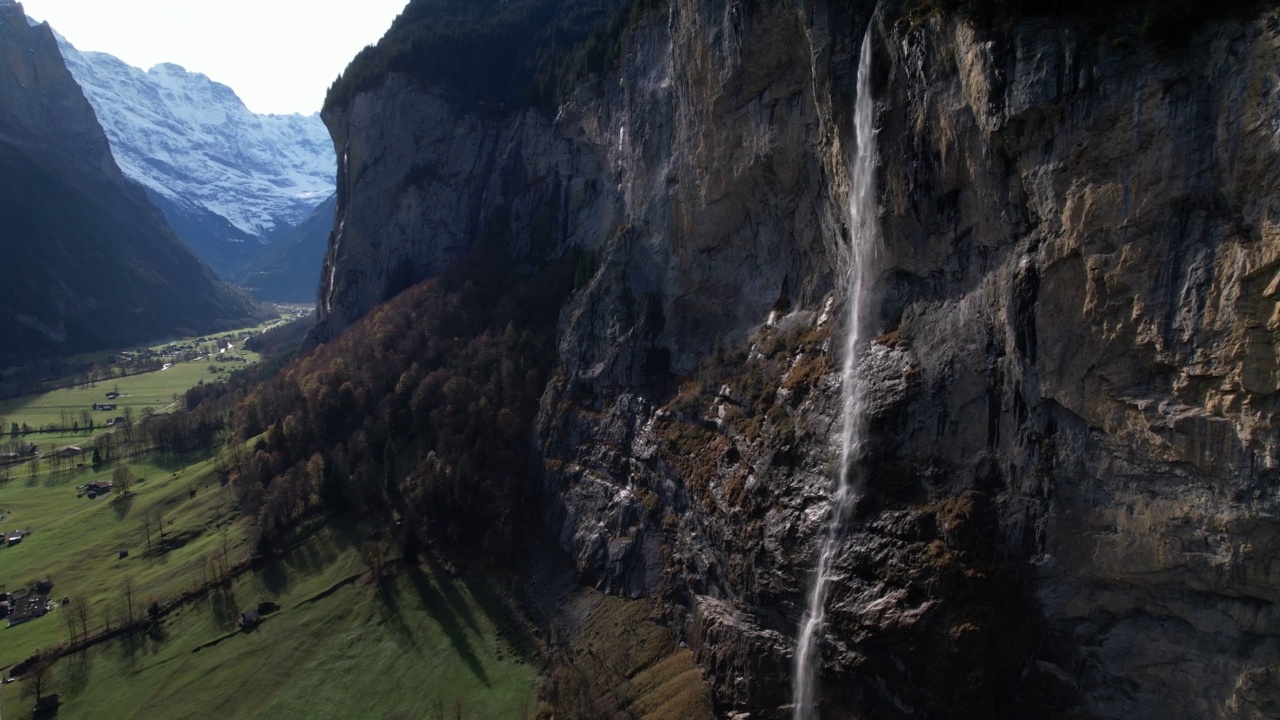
(420, 413)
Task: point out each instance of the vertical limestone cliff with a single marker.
(1072, 503)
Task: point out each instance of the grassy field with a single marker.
(339, 647)
(157, 390)
(77, 542)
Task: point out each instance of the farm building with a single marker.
(28, 608)
(15, 537)
(94, 489)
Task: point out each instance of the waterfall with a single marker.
(861, 267)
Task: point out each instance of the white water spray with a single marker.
(861, 266)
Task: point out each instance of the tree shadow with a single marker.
(122, 504)
(173, 462)
(129, 645)
(223, 609)
(393, 617)
(448, 589)
(451, 615)
(59, 478)
(501, 610)
(274, 576)
(76, 673)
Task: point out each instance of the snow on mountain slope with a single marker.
(192, 142)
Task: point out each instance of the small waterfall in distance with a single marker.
(861, 268)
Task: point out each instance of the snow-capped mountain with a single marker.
(227, 179)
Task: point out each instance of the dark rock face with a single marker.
(1070, 506)
(290, 270)
(86, 262)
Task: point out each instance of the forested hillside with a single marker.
(422, 409)
(492, 51)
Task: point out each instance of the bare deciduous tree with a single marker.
(128, 599)
(39, 677)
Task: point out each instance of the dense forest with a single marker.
(422, 411)
(493, 53)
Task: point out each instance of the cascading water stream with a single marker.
(861, 266)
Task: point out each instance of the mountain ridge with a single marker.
(88, 262)
(227, 179)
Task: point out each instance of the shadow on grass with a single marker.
(274, 576)
(63, 477)
(499, 609)
(223, 609)
(449, 590)
(76, 673)
(393, 617)
(123, 504)
(174, 462)
(310, 552)
(447, 607)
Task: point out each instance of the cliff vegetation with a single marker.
(421, 410)
(1165, 23)
(491, 53)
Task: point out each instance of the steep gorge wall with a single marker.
(1072, 482)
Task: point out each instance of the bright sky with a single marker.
(280, 56)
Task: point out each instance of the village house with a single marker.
(70, 451)
(28, 608)
(94, 489)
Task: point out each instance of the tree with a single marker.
(128, 600)
(82, 612)
(40, 676)
(73, 627)
(146, 527)
(122, 478)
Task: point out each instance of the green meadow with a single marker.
(337, 647)
(339, 644)
(158, 390)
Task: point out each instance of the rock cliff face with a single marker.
(1071, 503)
